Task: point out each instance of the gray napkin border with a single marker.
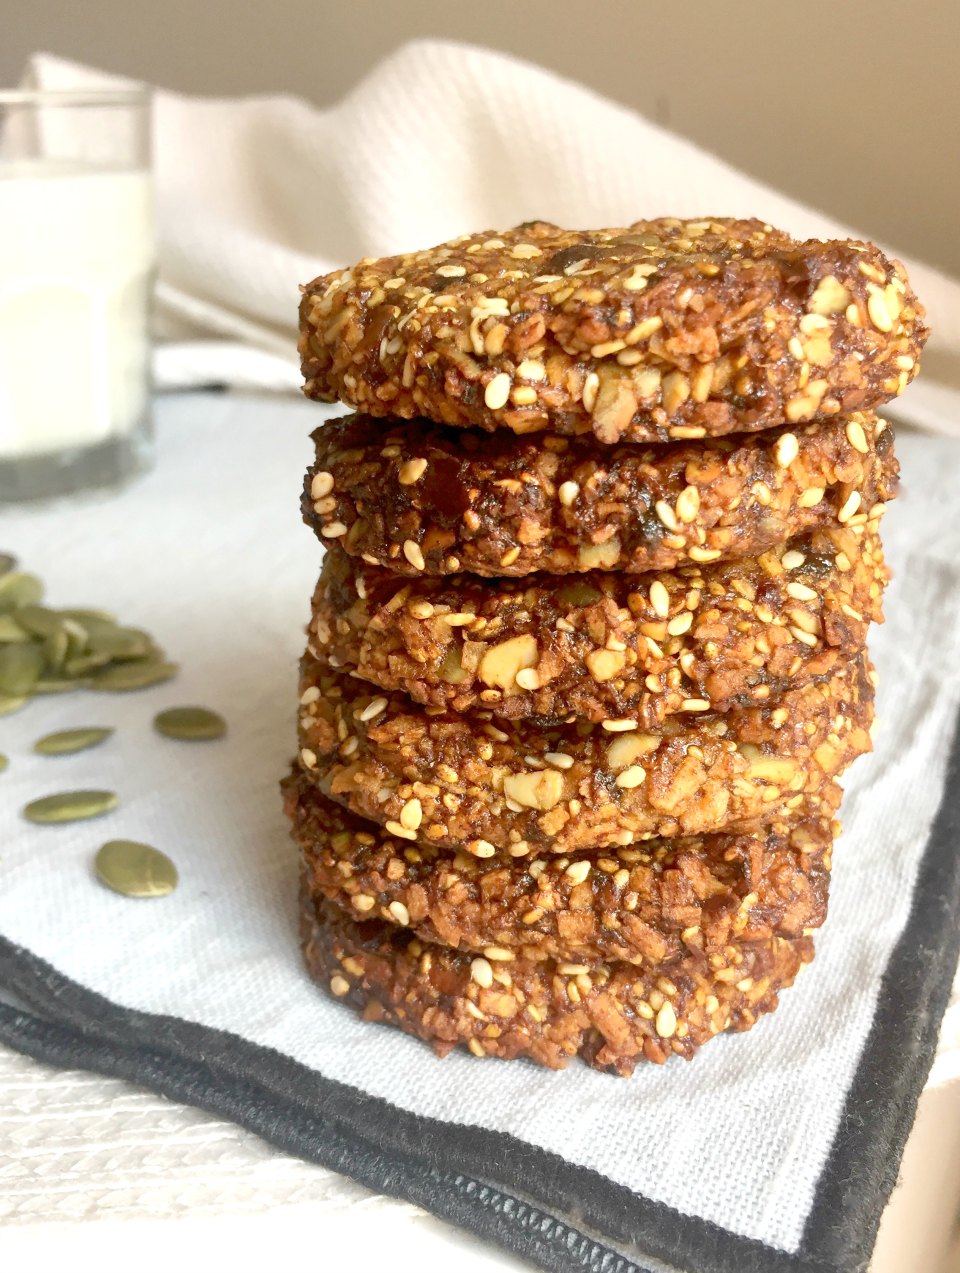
(532, 1203)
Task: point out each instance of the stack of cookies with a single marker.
(587, 653)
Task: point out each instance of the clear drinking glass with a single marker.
(77, 261)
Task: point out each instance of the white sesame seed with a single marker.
(572, 970)
(499, 954)
(619, 726)
(567, 493)
(412, 471)
(787, 449)
(688, 504)
(497, 392)
(451, 271)
(481, 848)
(532, 369)
(400, 831)
(310, 695)
(666, 514)
(805, 638)
(856, 436)
(333, 530)
(792, 560)
(528, 678)
(632, 777)
(413, 554)
(591, 387)
(411, 815)
(695, 705)
(559, 759)
(810, 497)
(308, 758)
(800, 592)
(321, 485)
(659, 599)
(666, 1021)
(577, 872)
(680, 624)
(339, 986)
(851, 504)
(399, 913)
(373, 708)
(481, 972)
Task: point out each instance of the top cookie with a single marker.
(666, 329)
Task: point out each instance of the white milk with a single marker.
(76, 270)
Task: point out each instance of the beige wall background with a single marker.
(851, 105)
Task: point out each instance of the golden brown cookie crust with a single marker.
(666, 329)
(606, 645)
(613, 1017)
(487, 784)
(650, 904)
(420, 499)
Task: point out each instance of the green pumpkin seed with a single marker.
(81, 664)
(77, 636)
(20, 668)
(19, 589)
(67, 741)
(134, 676)
(55, 649)
(7, 563)
(39, 620)
(135, 869)
(12, 703)
(70, 806)
(190, 723)
(119, 643)
(11, 631)
(81, 615)
(59, 684)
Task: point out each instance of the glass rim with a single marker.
(74, 96)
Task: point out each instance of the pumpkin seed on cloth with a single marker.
(70, 806)
(49, 651)
(67, 741)
(135, 869)
(10, 629)
(139, 675)
(193, 724)
(20, 668)
(19, 589)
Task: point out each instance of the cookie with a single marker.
(420, 499)
(606, 645)
(667, 329)
(648, 904)
(614, 1016)
(486, 784)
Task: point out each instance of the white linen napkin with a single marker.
(256, 195)
(213, 560)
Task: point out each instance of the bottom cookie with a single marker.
(613, 1017)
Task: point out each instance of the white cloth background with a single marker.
(255, 197)
(212, 558)
(258, 195)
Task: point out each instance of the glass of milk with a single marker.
(77, 260)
